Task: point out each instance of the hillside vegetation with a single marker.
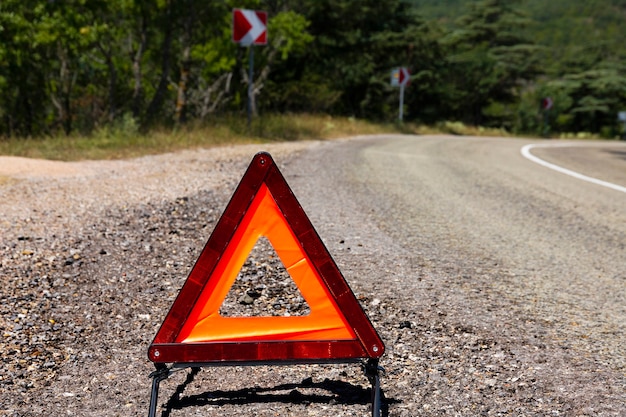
(582, 58)
(565, 27)
(84, 66)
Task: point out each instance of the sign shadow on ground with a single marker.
(333, 392)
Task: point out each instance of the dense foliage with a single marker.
(83, 65)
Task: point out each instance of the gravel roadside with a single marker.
(93, 253)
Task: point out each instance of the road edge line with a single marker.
(528, 155)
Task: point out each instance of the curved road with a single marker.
(470, 229)
(498, 284)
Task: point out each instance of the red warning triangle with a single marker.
(336, 328)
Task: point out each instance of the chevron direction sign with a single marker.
(400, 77)
(249, 27)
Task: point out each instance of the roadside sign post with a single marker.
(401, 110)
(546, 104)
(621, 116)
(249, 29)
(400, 77)
(250, 84)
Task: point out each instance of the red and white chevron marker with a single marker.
(547, 103)
(405, 76)
(400, 77)
(249, 27)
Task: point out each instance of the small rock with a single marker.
(246, 299)
(491, 382)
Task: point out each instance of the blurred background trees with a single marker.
(75, 66)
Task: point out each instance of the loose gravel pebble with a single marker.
(92, 255)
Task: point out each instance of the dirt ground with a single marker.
(93, 253)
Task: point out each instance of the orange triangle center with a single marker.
(264, 219)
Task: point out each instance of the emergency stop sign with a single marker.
(336, 328)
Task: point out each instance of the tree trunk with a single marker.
(187, 39)
(23, 107)
(181, 99)
(259, 83)
(208, 104)
(136, 57)
(61, 95)
(166, 63)
(112, 85)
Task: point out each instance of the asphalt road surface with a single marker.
(563, 238)
(498, 284)
(519, 249)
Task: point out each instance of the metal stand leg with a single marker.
(161, 373)
(371, 369)
(372, 372)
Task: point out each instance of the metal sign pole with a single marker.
(250, 84)
(546, 127)
(401, 102)
(370, 367)
(621, 116)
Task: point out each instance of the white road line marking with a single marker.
(527, 154)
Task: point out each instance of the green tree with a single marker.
(22, 73)
(356, 44)
(595, 96)
(490, 61)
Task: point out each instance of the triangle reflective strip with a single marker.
(263, 218)
(264, 205)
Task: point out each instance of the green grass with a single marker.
(123, 139)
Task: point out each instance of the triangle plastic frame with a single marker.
(167, 346)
